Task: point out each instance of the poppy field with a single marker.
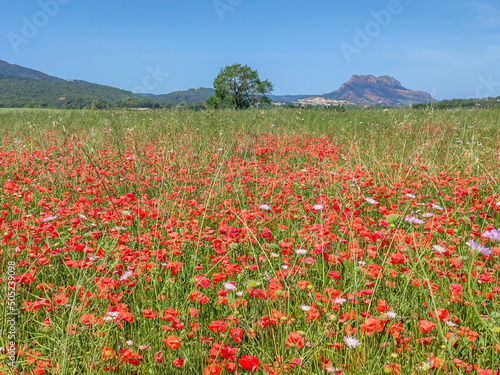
(284, 241)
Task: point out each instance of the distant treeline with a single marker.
(83, 103)
(461, 103)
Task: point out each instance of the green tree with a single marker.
(238, 86)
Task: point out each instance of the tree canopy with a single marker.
(240, 87)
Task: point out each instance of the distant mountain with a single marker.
(23, 87)
(362, 90)
(7, 69)
(371, 90)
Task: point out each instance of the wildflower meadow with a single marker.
(284, 241)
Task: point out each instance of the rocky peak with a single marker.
(370, 90)
(372, 80)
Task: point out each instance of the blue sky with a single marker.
(447, 48)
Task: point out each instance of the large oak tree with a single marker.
(238, 86)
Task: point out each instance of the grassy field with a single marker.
(269, 242)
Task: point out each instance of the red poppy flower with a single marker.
(212, 369)
(149, 314)
(172, 342)
(249, 363)
(158, 356)
(217, 325)
(424, 326)
(178, 362)
(107, 353)
(295, 339)
(372, 325)
(302, 284)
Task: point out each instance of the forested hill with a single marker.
(24, 87)
(30, 92)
